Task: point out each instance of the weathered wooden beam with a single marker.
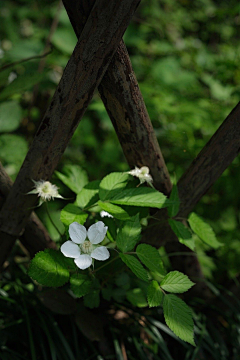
(124, 103)
(90, 59)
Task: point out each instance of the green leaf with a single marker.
(114, 210)
(129, 234)
(150, 257)
(64, 39)
(48, 268)
(22, 83)
(92, 299)
(13, 151)
(112, 184)
(176, 282)
(155, 294)
(80, 284)
(175, 202)
(74, 177)
(135, 266)
(137, 298)
(71, 213)
(183, 234)
(203, 230)
(178, 317)
(141, 196)
(10, 116)
(88, 196)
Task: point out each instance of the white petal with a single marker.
(100, 253)
(96, 233)
(77, 232)
(83, 261)
(69, 249)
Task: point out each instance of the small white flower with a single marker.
(45, 190)
(142, 174)
(105, 213)
(83, 246)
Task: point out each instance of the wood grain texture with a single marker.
(98, 42)
(124, 103)
(35, 237)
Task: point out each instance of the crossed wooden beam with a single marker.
(100, 60)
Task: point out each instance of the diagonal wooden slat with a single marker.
(124, 103)
(35, 236)
(90, 59)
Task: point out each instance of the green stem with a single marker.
(52, 222)
(109, 262)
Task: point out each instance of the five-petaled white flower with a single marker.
(142, 174)
(83, 246)
(45, 190)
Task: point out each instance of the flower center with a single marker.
(46, 188)
(86, 247)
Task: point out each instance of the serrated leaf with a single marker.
(114, 210)
(129, 234)
(155, 294)
(174, 202)
(150, 257)
(80, 284)
(142, 196)
(203, 230)
(74, 177)
(92, 299)
(10, 116)
(49, 268)
(135, 266)
(72, 213)
(112, 184)
(136, 297)
(178, 317)
(88, 195)
(176, 282)
(183, 234)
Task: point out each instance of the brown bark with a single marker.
(124, 103)
(98, 42)
(35, 236)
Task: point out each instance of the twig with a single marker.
(26, 59)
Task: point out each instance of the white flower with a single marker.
(142, 174)
(83, 246)
(45, 190)
(105, 213)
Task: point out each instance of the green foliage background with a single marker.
(186, 57)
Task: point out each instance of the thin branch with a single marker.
(90, 59)
(26, 59)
